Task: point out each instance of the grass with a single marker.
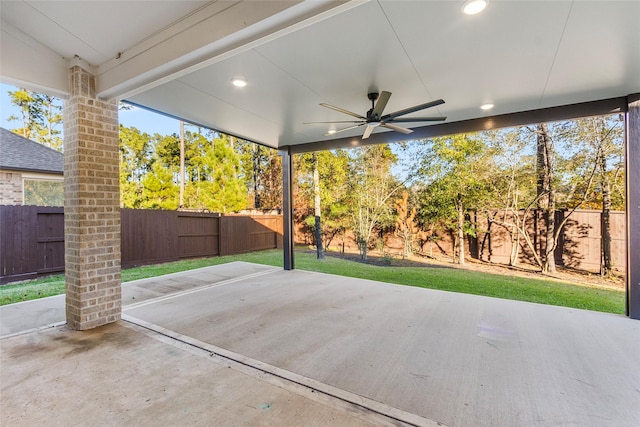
(448, 279)
(54, 285)
(32, 289)
(541, 291)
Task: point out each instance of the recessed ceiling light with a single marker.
(471, 7)
(239, 82)
(331, 132)
(486, 107)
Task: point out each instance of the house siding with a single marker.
(10, 188)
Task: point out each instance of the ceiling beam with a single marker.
(29, 64)
(550, 114)
(211, 34)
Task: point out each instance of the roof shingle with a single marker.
(22, 154)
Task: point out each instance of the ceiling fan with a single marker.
(374, 117)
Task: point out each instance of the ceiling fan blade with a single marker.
(418, 119)
(383, 98)
(336, 121)
(367, 132)
(397, 128)
(409, 110)
(333, 107)
(344, 129)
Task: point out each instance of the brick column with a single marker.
(91, 205)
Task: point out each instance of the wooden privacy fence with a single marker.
(579, 244)
(31, 242)
(32, 238)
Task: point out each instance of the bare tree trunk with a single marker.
(26, 121)
(515, 245)
(606, 219)
(256, 175)
(550, 260)
(182, 174)
(317, 213)
(546, 193)
(460, 208)
(49, 125)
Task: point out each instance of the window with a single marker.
(43, 192)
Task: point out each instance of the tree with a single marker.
(316, 207)
(224, 191)
(370, 188)
(331, 170)
(310, 170)
(456, 169)
(135, 161)
(406, 228)
(26, 102)
(513, 179)
(40, 115)
(158, 189)
(262, 172)
(546, 193)
(182, 171)
(271, 180)
(204, 173)
(512, 172)
(598, 150)
(576, 163)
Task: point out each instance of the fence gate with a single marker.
(31, 242)
(50, 240)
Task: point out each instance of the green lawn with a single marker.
(443, 278)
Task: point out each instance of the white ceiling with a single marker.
(179, 57)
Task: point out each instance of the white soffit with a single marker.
(599, 54)
(517, 55)
(96, 30)
(179, 57)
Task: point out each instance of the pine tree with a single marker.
(40, 117)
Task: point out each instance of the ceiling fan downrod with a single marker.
(373, 96)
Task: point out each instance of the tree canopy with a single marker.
(422, 189)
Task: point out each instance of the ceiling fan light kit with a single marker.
(375, 118)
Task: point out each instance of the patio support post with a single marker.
(91, 204)
(287, 207)
(633, 206)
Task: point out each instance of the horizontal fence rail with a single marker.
(579, 244)
(32, 238)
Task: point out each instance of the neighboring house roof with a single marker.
(21, 154)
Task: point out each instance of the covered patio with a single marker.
(297, 347)
(245, 344)
(523, 62)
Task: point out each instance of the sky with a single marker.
(144, 120)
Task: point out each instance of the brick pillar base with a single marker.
(91, 206)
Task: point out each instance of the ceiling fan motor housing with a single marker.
(372, 97)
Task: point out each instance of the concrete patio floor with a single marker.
(243, 344)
